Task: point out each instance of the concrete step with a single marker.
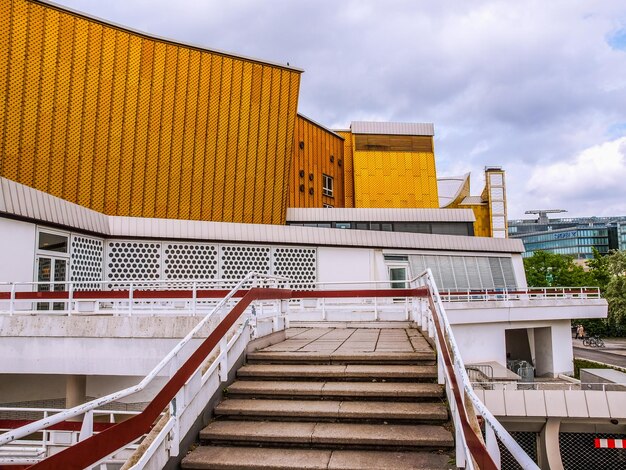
(329, 435)
(355, 390)
(229, 458)
(332, 410)
(377, 357)
(368, 372)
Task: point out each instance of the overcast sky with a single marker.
(537, 87)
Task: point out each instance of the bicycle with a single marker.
(593, 341)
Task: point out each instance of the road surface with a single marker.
(600, 355)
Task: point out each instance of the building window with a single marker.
(327, 206)
(327, 188)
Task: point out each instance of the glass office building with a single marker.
(572, 236)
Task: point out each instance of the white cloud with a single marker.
(592, 183)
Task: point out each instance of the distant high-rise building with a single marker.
(570, 236)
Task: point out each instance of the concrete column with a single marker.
(550, 451)
(75, 390)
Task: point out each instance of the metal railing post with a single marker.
(194, 294)
(12, 300)
(70, 299)
(86, 429)
(130, 299)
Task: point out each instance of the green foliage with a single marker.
(606, 272)
(550, 270)
(615, 292)
(599, 269)
(584, 364)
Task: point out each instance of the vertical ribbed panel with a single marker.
(348, 168)
(313, 157)
(133, 126)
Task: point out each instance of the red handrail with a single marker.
(97, 447)
(475, 445)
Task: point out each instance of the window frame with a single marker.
(328, 189)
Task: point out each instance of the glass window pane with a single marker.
(52, 242)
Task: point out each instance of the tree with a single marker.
(615, 292)
(599, 269)
(551, 270)
(545, 269)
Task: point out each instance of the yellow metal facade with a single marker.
(316, 152)
(394, 179)
(129, 125)
(348, 168)
(482, 224)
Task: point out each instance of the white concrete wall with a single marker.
(347, 264)
(562, 344)
(481, 343)
(544, 357)
(17, 251)
(518, 270)
(486, 342)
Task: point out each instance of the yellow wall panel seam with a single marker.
(232, 140)
(151, 168)
(214, 108)
(242, 142)
(254, 131)
(103, 105)
(178, 125)
(266, 90)
(222, 140)
(6, 23)
(142, 130)
(206, 156)
(186, 170)
(165, 133)
(31, 97)
(196, 143)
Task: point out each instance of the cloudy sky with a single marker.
(537, 87)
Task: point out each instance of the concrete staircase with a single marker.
(334, 405)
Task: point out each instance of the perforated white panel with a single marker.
(86, 262)
(133, 261)
(236, 261)
(297, 264)
(190, 261)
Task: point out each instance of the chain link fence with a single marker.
(578, 452)
(527, 441)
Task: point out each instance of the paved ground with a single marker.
(614, 353)
(349, 341)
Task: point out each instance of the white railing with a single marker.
(130, 298)
(541, 386)
(40, 445)
(426, 319)
(172, 360)
(531, 293)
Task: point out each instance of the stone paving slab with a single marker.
(282, 408)
(392, 410)
(335, 389)
(363, 371)
(368, 460)
(398, 435)
(340, 357)
(240, 458)
(382, 389)
(312, 409)
(331, 434)
(259, 431)
(230, 458)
